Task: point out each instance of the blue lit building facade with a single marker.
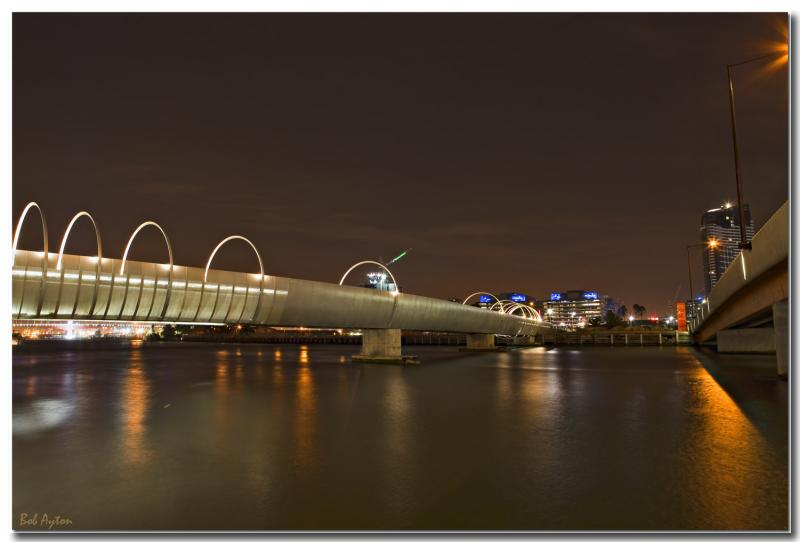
(574, 308)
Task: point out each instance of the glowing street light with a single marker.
(781, 56)
(713, 244)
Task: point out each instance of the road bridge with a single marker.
(748, 308)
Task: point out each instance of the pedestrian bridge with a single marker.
(67, 286)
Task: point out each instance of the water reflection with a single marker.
(221, 374)
(135, 401)
(304, 417)
(729, 457)
(399, 446)
(40, 415)
(607, 439)
(30, 386)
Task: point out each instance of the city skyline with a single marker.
(460, 148)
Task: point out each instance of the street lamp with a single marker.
(712, 244)
(744, 244)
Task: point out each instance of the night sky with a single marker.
(510, 152)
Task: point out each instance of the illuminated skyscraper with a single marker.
(722, 226)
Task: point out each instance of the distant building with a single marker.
(722, 226)
(486, 301)
(378, 280)
(693, 306)
(573, 308)
(611, 304)
(518, 297)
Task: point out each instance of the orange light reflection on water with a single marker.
(305, 417)
(135, 401)
(726, 456)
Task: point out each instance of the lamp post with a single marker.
(712, 244)
(744, 244)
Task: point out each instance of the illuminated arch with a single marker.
(502, 305)
(532, 314)
(370, 262)
(506, 306)
(45, 247)
(396, 292)
(171, 264)
(66, 235)
(231, 238)
(480, 293)
(19, 229)
(133, 235)
(97, 266)
(208, 265)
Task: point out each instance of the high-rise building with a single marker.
(719, 229)
(573, 308)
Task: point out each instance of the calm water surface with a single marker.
(180, 436)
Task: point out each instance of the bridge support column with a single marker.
(525, 340)
(380, 346)
(480, 342)
(757, 340)
(780, 320)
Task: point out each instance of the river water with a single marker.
(277, 437)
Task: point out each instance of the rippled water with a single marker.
(180, 436)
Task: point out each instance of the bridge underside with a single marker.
(751, 306)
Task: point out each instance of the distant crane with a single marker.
(393, 260)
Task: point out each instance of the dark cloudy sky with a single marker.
(527, 152)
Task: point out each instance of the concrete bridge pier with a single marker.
(480, 342)
(525, 340)
(780, 321)
(380, 346)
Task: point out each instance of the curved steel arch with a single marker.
(480, 293)
(525, 309)
(367, 262)
(503, 303)
(66, 235)
(208, 264)
(46, 251)
(512, 306)
(133, 235)
(506, 306)
(396, 292)
(171, 265)
(19, 229)
(80, 275)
